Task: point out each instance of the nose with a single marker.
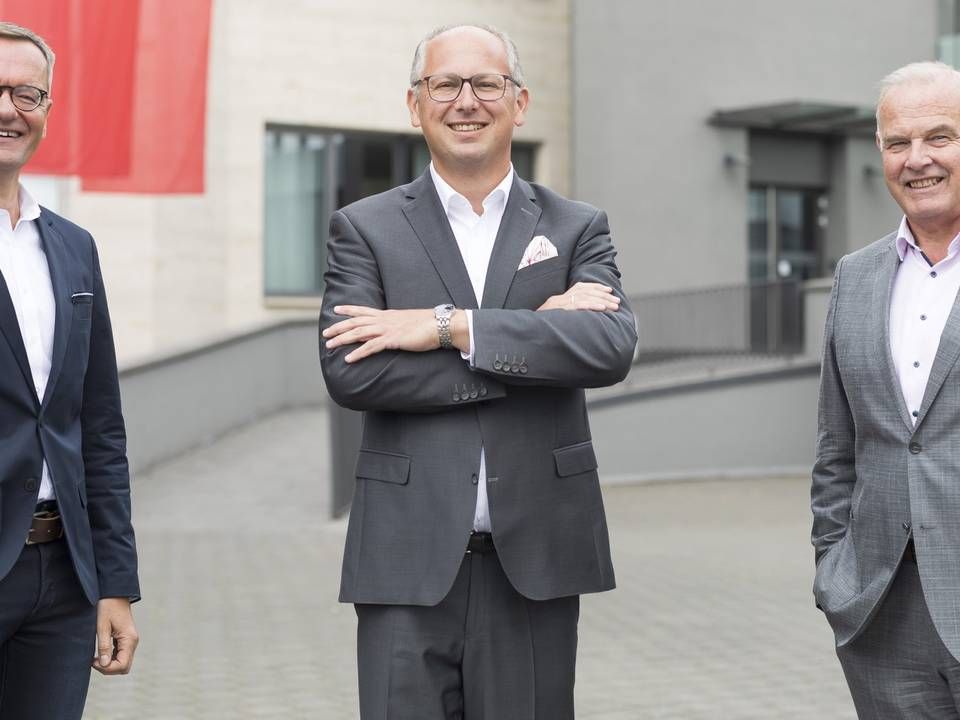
(918, 157)
(466, 100)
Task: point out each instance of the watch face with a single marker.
(441, 311)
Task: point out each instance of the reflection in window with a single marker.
(310, 173)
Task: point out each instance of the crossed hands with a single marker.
(416, 330)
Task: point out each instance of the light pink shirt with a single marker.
(475, 236)
(27, 275)
(923, 296)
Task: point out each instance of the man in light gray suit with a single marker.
(464, 313)
(886, 484)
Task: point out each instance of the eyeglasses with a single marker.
(25, 97)
(447, 88)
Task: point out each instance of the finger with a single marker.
(355, 310)
(126, 646)
(360, 334)
(582, 286)
(371, 347)
(104, 644)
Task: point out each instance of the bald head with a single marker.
(942, 77)
(420, 55)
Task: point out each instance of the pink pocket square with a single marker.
(539, 249)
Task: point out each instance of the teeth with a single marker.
(9, 133)
(466, 127)
(924, 183)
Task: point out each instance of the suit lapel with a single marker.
(519, 221)
(425, 214)
(882, 292)
(947, 353)
(10, 328)
(53, 246)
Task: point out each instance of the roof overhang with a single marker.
(801, 116)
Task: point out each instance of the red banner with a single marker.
(129, 91)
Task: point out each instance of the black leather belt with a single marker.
(46, 525)
(480, 543)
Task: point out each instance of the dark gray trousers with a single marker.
(47, 637)
(484, 653)
(899, 668)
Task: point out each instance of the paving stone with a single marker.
(713, 616)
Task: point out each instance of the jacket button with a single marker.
(473, 478)
(30, 484)
(497, 365)
(915, 448)
(483, 391)
(906, 526)
(456, 397)
(474, 394)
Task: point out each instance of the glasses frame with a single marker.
(463, 81)
(13, 96)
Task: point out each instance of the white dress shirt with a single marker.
(923, 296)
(23, 264)
(475, 236)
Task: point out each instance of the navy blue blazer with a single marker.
(77, 425)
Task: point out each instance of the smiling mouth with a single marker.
(923, 183)
(466, 127)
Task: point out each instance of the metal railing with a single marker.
(756, 318)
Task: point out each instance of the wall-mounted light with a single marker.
(731, 161)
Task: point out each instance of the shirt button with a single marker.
(933, 273)
(923, 317)
(916, 364)
(915, 413)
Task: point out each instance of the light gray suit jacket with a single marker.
(426, 415)
(879, 478)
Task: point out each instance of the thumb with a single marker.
(104, 641)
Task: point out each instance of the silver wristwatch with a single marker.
(443, 313)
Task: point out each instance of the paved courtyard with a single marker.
(713, 617)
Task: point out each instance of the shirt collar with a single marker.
(905, 241)
(29, 207)
(447, 193)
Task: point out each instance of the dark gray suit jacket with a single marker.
(878, 477)
(426, 415)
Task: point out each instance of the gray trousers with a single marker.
(48, 633)
(484, 653)
(899, 667)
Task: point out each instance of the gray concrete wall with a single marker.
(186, 399)
(739, 425)
(647, 76)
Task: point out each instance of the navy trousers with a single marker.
(47, 637)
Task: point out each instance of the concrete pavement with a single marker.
(713, 617)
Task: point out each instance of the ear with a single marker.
(43, 134)
(413, 105)
(876, 137)
(522, 101)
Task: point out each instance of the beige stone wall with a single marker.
(181, 269)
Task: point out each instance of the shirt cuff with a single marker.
(470, 355)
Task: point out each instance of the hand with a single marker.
(116, 637)
(378, 330)
(584, 296)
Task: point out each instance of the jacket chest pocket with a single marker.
(82, 305)
(532, 285)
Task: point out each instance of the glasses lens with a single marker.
(488, 87)
(26, 97)
(444, 87)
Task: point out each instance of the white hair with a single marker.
(915, 74)
(513, 57)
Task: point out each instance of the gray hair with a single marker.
(915, 73)
(513, 57)
(16, 32)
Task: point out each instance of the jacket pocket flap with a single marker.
(386, 467)
(575, 459)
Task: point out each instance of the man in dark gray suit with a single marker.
(464, 313)
(886, 484)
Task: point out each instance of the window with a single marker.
(310, 173)
(948, 44)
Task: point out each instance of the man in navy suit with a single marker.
(68, 562)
